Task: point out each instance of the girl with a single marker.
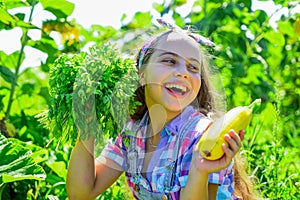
(157, 148)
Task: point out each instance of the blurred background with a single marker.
(257, 55)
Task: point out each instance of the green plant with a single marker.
(90, 94)
(275, 165)
(253, 57)
(17, 163)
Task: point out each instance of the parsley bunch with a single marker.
(91, 93)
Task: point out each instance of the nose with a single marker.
(181, 70)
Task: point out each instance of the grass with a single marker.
(273, 160)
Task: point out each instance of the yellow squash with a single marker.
(238, 118)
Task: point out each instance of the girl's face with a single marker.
(172, 76)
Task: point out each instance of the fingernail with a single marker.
(227, 135)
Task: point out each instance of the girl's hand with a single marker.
(208, 166)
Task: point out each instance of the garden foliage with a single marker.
(255, 60)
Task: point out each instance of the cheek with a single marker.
(197, 83)
(156, 74)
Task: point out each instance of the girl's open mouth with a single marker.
(176, 89)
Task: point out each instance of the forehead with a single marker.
(181, 44)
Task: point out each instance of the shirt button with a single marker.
(164, 197)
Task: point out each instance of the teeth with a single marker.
(176, 86)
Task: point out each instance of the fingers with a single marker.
(242, 134)
(229, 154)
(234, 141)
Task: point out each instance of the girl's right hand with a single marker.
(200, 169)
(203, 165)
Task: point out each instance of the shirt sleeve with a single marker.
(221, 176)
(225, 180)
(116, 151)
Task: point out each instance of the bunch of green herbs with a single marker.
(91, 94)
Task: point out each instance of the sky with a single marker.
(110, 14)
(90, 12)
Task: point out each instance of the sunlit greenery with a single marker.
(255, 60)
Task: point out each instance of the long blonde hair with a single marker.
(244, 184)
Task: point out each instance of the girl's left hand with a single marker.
(234, 141)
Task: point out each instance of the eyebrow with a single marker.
(176, 55)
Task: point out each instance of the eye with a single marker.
(168, 61)
(193, 67)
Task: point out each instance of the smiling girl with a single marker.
(161, 160)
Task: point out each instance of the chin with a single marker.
(175, 108)
(178, 105)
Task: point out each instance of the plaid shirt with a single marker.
(154, 176)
